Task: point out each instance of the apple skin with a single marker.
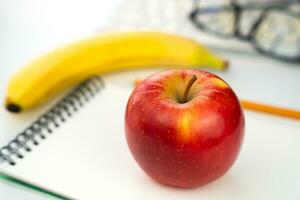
(184, 144)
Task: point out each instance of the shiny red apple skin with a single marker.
(184, 144)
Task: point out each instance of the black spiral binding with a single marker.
(52, 119)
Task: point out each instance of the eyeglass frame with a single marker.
(250, 37)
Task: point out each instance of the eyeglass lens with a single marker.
(279, 33)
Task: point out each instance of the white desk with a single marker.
(29, 28)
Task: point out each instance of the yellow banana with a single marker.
(67, 66)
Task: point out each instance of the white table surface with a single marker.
(29, 28)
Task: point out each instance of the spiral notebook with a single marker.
(78, 149)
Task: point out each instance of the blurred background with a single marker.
(260, 38)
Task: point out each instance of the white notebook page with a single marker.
(88, 158)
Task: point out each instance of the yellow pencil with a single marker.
(295, 114)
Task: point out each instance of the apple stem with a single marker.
(188, 87)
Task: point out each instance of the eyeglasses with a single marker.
(272, 28)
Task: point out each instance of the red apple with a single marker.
(184, 127)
